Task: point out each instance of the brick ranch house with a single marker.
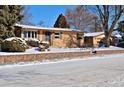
(57, 37)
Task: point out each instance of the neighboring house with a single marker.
(56, 37)
(117, 34)
(116, 37)
(93, 39)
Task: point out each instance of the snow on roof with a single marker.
(118, 35)
(44, 28)
(93, 34)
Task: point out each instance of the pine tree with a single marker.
(61, 22)
(9, 15)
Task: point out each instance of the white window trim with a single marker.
(59, 35)
(27, 34)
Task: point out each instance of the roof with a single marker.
(45, 28)
(93, 34)
(118, 36)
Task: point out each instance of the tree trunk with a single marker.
(107, 41)
(107, 38)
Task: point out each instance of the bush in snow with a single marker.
(44, 45)
(42, 48)
(14, 44)
(33, 42)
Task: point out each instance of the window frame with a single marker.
(29, 34)
(25, 34)
(57, 35)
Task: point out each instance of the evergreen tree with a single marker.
(61, 22)
(9, 15)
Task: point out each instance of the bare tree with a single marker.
(109, 15)
(27, 19)
(80, 18)
(41, 23)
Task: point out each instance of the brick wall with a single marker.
(50, 56)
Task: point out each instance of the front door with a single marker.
(48, 37)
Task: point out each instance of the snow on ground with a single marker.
(97, 71)
(57, 50)
(28, 51)
(84, 49)
(110, 48)
(59, 60)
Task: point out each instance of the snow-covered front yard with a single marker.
(56, 50)
(94, 71)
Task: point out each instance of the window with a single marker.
(25, 34)
(29, 34)
(87, 39)
(79, 36)
(35, 34)
(32, 34)
(47, 36)
(57, 34)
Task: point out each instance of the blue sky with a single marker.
(47, 13)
